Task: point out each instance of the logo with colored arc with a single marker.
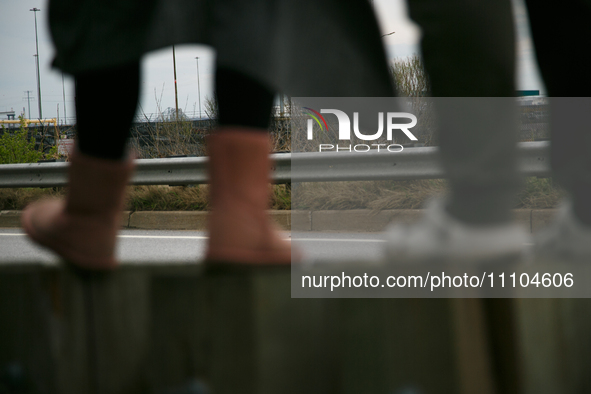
(315, 115)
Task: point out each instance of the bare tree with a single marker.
(412, 81)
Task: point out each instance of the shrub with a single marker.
(15, 147)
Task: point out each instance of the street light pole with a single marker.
(198, 87)
(176, 95)
(37, 58)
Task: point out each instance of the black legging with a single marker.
(242, 101)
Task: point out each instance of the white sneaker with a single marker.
(439, 236)
(565, 238)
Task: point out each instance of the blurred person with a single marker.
(560, 32)
(303, 48)
(468, 49)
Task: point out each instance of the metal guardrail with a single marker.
(411, 163)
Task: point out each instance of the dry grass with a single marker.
(180, 198)
(537, 193)
(167, 198)
(17, 199)
(143, 198)
(540, 193)
(375, 195)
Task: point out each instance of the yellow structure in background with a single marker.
(28, 121)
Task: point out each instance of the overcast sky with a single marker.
(18, 71)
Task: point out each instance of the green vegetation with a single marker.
(16, 147)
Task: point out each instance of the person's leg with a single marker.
(114, 94)
(468, 51)
(564, 66)
(83, 228)
(240, 230)
(242, 101)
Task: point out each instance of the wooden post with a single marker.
(166, 327)
(265, 342)
(556, 342)
(101, 331)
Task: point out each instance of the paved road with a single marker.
(187, 246)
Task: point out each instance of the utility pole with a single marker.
(37, 58)
(176, 95)
(64, 95)
(28, 92)
(198, 87)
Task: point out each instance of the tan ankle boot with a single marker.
(240, 230)
(83, 228)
